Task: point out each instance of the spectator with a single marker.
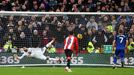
(94, 31)
(45, 39)
(8, 46)
(59, 34)
(5, 5)
(82, 20)
(131, 45)
(132, 27)
(106, 21)
(89, 36)
(9, 39)
(10, 35)
(28, 30)
(22, 41)
(113, 22)
(99, 40)
(131, 5)
(82, 37)
(35, 39)
(69, 28)
(109, 36)
(91, 23)
(49, 32)
(42, 7)
(131, 34)
(2, 31)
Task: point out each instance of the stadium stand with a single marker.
(68, 5)
(37, 30)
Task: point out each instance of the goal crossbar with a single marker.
(71, 13)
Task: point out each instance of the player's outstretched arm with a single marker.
(19, 58)
(50, 43)
(15, 57)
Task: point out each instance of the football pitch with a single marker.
(61, 71)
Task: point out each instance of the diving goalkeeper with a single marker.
(36, 53)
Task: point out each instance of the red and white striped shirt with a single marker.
(71, 42)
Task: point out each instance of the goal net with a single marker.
(95, 33)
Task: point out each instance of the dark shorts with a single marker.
(68, 52)
(120, 52)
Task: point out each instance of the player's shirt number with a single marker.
(121, 39)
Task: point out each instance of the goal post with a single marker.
(57, 24)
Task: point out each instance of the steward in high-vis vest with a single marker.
(131, 47)
(90, 47)
(8, 46)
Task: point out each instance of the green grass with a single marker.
(61, 71)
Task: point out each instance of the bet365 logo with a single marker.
(127, 61)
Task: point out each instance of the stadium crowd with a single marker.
(68, 5)
(37, 30)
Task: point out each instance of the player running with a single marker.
(70, 44)
(37, 53)
(120, 42)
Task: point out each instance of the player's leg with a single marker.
(15, 56)
(68, 58)
(53, 59)
(122, 54)
(115, 58)
(43, 57)
(44, 50)
(66, 53)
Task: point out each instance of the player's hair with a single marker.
(71, 33)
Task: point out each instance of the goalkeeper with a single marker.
(36, 53)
